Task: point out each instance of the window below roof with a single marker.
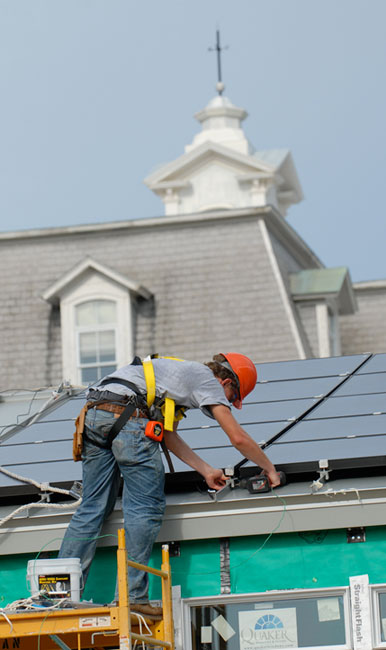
(302, 619)
(379, 618)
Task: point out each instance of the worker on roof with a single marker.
(212, 387)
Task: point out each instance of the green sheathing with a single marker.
(100, 584)
(13, 578)
(197, 569)
(306, 560)
(287, 561)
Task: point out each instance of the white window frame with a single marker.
(375, 590)
(188, 603)
(95, 287)
(91, 329)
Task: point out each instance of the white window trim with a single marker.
(375, 590)
(327, 326)
(188, 603)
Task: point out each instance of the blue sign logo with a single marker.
(268, 622)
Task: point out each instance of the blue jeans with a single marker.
(138, 459)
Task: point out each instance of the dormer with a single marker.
(96, 312)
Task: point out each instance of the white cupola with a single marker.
(221, 170)
(221, 122)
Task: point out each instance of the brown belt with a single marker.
(118, 409)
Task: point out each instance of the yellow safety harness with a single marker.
(168, 408)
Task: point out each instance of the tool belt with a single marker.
(117, 409)
(123, 413)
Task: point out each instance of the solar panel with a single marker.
(215, 436)
(32, 453)
(315, 387)
(341, 454)
(326, 429)
(42, 431)
(376, 363)
(42, 472)
(363, 384)
(331, 366)
(292, 399)
(218, 457)
(259, 412)
(349, 405)
(347, 428)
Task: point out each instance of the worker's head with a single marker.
(236, 372)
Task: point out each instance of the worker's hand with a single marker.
(215, 478)
(273, 477)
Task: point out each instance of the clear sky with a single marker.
(96, 93)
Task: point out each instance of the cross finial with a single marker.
(219, 85)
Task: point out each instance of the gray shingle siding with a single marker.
(212, 282)
(365, 331)
(214, 288)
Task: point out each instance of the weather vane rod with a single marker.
(219, 86)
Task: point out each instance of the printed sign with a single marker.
(328, 609)
(222, 626)
(360, 607)
(269, 628)
(57, 585)
(206, 634)
(94, 621)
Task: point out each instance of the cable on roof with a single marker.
(46, 489)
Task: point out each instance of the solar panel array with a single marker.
(300, 411)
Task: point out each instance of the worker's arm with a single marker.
(243, 442)
(214, 477)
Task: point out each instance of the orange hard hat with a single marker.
(245, 372)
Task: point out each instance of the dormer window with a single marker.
(97, 314)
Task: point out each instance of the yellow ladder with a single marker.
(96, 626)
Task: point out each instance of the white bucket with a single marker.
(57, 578)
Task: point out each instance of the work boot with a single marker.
(146, 609)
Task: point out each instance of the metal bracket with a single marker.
(356, 535)
(230, 484)
(324, 475)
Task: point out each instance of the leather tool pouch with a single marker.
(77, 442)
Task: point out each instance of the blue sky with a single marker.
(97, 93)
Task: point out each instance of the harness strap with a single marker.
(150, 381)
(119, 423)
(168, 410)
(124, 382)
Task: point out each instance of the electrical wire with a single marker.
(21, 415)
(235, 566)
(141, 621)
